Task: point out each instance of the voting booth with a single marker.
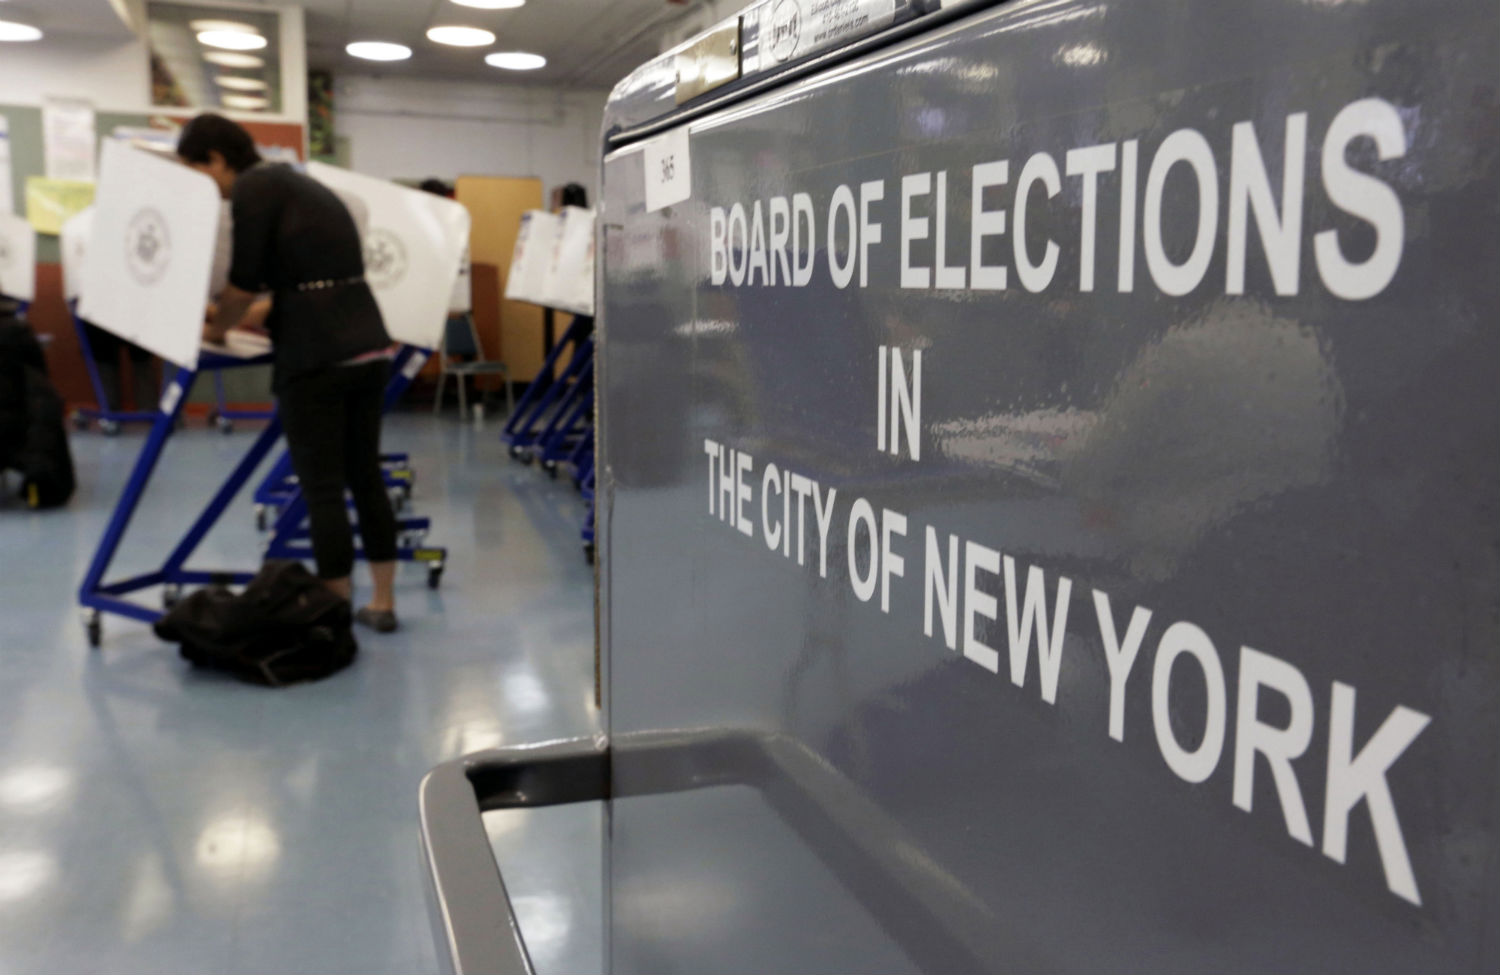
(1049, 499)
(553, 263)
(142, 259)
(414, 247)
(151, 247)
(570, 277)
(148, 253)
(531, 261)
(17, 258)
(553, 266)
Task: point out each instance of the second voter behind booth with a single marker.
(295, 239)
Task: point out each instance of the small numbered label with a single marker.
(669, 170)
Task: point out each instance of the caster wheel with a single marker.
(171, 595)
(516, 453)
(435, 575)
(79, 421)
(109, 428)
(550, 466)
(588, 553)
(93, 625)
(225, 425)
(261, 518)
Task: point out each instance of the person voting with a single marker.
(295, 239)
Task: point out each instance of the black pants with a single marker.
(332, 422)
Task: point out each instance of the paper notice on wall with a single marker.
(150, 253)
(7, 193)
(69, 139)
(50, 203)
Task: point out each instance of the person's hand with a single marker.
(212, 334)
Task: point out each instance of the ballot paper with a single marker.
(240, 344)
(569, 284)
(413, 242)
(17, 258)
(531, 261)
(151, 253)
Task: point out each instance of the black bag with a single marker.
(286, 627)
(33, 431)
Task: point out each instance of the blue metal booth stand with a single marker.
(290, 538)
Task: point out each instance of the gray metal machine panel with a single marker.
(1298, 477)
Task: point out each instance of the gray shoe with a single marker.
(379, 620)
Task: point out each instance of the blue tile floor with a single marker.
(158, 819)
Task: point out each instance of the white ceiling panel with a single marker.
(93, 17)
(587, 43)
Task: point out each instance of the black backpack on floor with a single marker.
(286, 627)
(33, 432)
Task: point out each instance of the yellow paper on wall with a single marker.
(50, 202)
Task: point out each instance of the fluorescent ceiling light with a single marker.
(228, 59)
(491, 4)
(236, 83)
(461, 36)
(11, 31)
(516, 61)
(249, 102)
(379, 51)
(199, 26)
(232, 40)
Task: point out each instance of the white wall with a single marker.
(115, 72)
(412, 128)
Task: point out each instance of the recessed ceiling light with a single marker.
(516, 61)
(228, 59)
(235, 83)
(491, 4)
(250, 102)
(232, 40)
(236, 26)
(11, 31)
(461, 36)
(379, 51)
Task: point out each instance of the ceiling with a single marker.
(88, 17)
(587, 43)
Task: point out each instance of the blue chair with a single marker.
(462, 356)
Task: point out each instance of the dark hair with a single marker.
(436, 186)
(574, 195)
(215, 133)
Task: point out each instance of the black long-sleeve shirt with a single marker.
(294, 237)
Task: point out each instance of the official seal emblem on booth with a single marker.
(148, 246)
(386, 263)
